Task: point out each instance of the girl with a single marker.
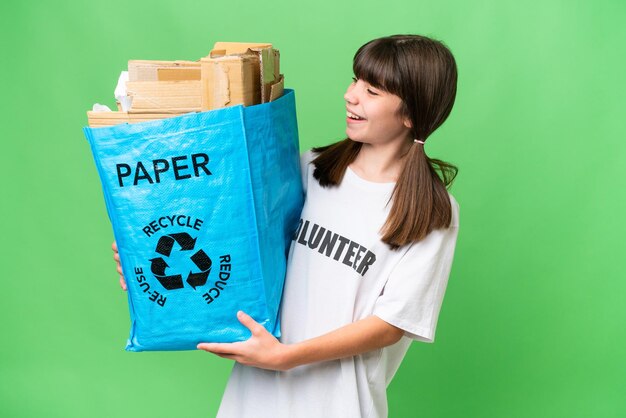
(369, 263)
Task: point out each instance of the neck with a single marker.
(381, 162)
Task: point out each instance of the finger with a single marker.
(116, 257)
(212, 348)
(218, 348)
(114, 246)
(119, 269)
(123, 283)
(249, 323)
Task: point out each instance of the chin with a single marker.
(361, 141)
(354, 139)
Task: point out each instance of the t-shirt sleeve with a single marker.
(412, 297)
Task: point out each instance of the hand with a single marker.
(261, 350)
(116, 257)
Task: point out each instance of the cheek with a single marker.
(390, 122)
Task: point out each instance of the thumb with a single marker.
(249, 323)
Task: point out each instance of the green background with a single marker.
(533, 320)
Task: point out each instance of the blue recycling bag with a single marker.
(203, 207)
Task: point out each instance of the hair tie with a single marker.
(421, 142)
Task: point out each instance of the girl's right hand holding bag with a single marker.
(116, 257)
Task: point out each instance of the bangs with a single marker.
(376, 64)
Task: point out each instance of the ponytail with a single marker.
(420, 199)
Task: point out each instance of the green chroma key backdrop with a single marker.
(532, 324)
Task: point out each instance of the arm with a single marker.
(365, 335)
(263, 350)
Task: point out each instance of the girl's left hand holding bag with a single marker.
(261, 350)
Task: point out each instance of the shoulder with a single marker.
(438, 239)
(305, 161)
(306, 157)
(454, 206)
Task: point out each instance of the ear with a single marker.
(407, 123)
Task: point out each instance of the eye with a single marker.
(354, 79)
(373, 93)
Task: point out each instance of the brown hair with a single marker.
(422, 72)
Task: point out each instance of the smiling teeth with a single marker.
(353, 116)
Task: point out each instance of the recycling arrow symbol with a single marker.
(175, 281)
(166, 243)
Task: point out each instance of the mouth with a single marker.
(353, 117)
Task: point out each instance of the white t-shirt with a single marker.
(339, 271)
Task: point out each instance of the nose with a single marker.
(350, 97)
